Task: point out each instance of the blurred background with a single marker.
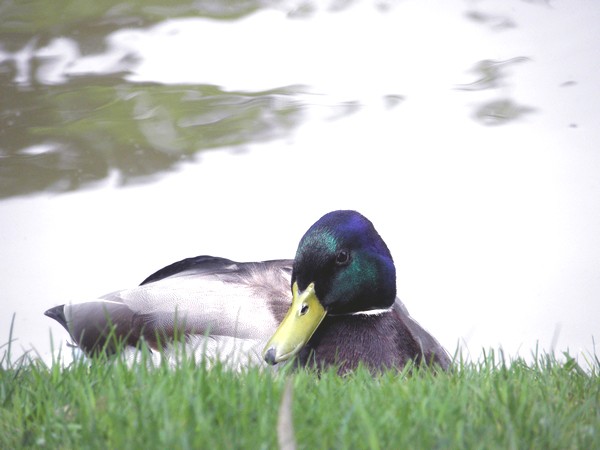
(134, 134)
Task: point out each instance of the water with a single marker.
(131, 137)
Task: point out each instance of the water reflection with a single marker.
(491, 74)
(495, 22)
(498, 112)
(61, 137)
(72, 16)
(69, 116)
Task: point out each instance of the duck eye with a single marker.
(342, 257)
(304, 309)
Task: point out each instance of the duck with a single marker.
(333, 305)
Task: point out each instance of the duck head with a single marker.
(342, 266)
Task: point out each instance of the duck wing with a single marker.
(202, 296)
(431, 351)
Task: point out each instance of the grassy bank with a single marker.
(491, 404)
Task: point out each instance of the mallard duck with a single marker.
(343, 312)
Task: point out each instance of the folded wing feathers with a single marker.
(431, 350)
(239, 300)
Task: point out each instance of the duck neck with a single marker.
(370, 312)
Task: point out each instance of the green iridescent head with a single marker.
(342, 266)
(348, 262)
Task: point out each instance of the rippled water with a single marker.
(132, 136)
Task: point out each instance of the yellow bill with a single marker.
(297, 327)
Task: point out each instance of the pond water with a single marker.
(468, 131)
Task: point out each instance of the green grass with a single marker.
(494, 403)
